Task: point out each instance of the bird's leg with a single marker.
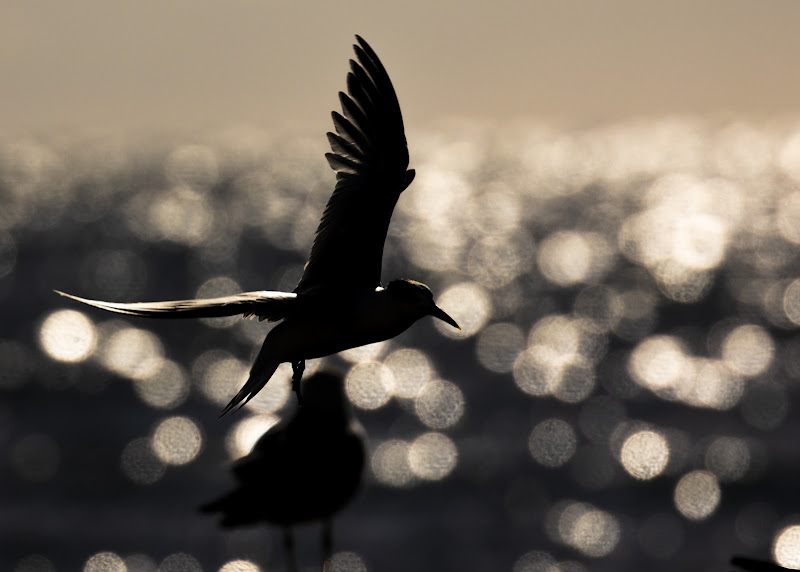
(327, 540)
(298, 367)
(288, 546)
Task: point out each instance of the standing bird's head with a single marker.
(323, 394)
(418, 297)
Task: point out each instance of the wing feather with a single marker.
(355, 114)
(344, 148)
(265, 305)
(370, 157)
(342, 163)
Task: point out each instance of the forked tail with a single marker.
(259, 376)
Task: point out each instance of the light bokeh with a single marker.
(469, 305)
(567, 258)
(499, 345)
(697, 495)
(345, 562)
(497, 260)
(729, 458)
(104, 562)
(177, 440)
(369, 385)
(215, 288)
(411, 371)
(786, 547)
(370, 352)
(277, 392)
(552, 442)
(593, 532)
(432, 456)
(138, 562)
(659, 363)
(139, 462)
(560, 358)
(219, 375)
(390, 464)
(166, 388)
(748, 350)
(536, 561)
(133, 353)
(440, 404)
(645, 454)
(242, 436)
(68, 335)
(240, 566)
(180, 562)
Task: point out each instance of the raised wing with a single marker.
(370, 157)
(264, 305)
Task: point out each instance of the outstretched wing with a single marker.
(370, 157)
(265, 305)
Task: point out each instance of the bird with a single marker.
(301, 470)
(339, 302)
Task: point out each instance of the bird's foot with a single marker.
(298, 367)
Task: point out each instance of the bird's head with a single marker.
(419, 297)
(323, 392)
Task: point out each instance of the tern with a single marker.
(302, 470)
(339, 302)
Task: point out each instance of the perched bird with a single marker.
(303, 470)
(339, 302)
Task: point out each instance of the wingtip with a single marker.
(362, 44)
(70, 296)
(227, 410)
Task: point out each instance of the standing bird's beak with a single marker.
(437, 312)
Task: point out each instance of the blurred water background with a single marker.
(622, 394)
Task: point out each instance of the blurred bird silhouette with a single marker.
(303, 470)
(755, 565)
(339, 302)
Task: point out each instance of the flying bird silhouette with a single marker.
(303, 470)
(339, 302)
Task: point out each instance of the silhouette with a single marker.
(755, 565)
(339, 302)
(303, 470)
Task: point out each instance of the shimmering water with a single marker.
(620, 395)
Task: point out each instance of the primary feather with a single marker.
(262, 304)
(370, 157)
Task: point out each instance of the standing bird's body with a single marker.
(339, 302)
(303, 470)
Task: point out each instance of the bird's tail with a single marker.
(260, 374)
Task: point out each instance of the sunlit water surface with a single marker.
(620, 394)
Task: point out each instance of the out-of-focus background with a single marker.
(607, 200)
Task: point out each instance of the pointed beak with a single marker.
(437, 312)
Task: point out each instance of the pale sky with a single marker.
(275, 63)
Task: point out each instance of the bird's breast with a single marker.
(339, 325)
